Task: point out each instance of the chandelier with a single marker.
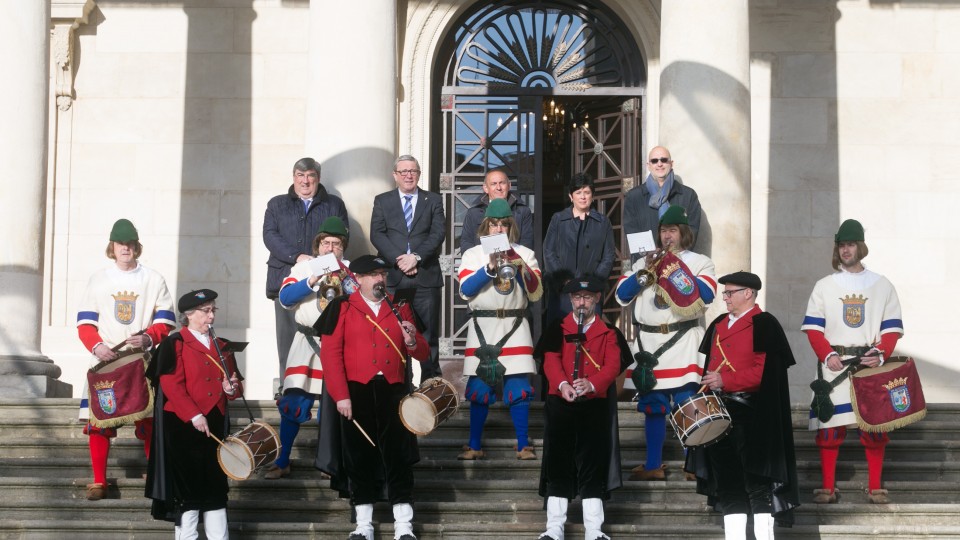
(554, 125)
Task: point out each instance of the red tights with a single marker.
(829, 441)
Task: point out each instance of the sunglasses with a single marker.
(661, 160)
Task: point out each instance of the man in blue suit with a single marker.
(407, 227)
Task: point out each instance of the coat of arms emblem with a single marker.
(106, 397)
(125, 306)
(853, 310)
(899, 394)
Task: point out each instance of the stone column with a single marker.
(352, 103)
(24, 49)
(705, 118)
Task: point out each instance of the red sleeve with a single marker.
(158, 332)
(422, 351)
(232, 363)
(747, 377)
(611, 365)
(175, 389)
(553, 367)
(821, 347)
(331, 357)
(90, 336)
(888, 342)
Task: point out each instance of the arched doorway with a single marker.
(543, 90)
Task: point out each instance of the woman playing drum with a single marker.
(193, 385)
(499, 346)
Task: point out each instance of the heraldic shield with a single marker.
(888, 397)
(853, 309)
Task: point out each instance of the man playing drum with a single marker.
(125, 306)
(669, 312)
(853, 317)
(753, 469)
(580, 424)
(364, 359)
(308, 294)
(498, 288)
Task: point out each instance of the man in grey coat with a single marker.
(496, 185)
(645, 204)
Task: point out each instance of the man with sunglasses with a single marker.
(752, 469)
(645, 204)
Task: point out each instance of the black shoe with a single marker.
(545, 536)
(407, 537)
(356, 536)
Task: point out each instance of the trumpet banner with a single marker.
(677, 286)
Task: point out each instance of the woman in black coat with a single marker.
(579, 241)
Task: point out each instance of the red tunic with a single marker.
(194, 387)
(736, 345)
(599, 361)
(357, 350)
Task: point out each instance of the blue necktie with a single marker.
(408, 214)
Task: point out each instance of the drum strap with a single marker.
(311, 333)
(822, 406)
(491, 370)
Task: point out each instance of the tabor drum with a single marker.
(249, 449)
(429, 406)
(118, 390)
(700, 420)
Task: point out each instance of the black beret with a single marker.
(584, 283)
(745, 279)
(366, 264)
(195, 298)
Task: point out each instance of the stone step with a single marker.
(159, 530)
(301, 488)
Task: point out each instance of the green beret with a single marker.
(334, 225)
(124, 231)
(498, 209)
(850, 231)
(675, 215)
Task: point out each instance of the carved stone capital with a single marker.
(65, 17)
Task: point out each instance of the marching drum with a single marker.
(700, 420)
(429, 406)
(248, 449)
(118, 390)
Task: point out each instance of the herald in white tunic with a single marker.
(682, 363)
(517, 355)
(852, 310)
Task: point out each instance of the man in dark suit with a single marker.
(407, 227)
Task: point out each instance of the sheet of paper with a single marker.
(324, 264)
(494, 243)
(641, 242)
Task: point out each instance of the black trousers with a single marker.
(426, 304)
(739, 491)
(376, 407)
(198, 481)
(576, 447)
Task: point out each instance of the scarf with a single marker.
(659, 194)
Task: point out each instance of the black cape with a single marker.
(770, 443)
(552, 341)
(329, 457)
(159, 484)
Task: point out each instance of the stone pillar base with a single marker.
(31, 377)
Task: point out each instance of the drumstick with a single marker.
(364, 433)
(116, 348)
(225, 447)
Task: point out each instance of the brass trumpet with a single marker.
(646, 276)
(331, 286)
(506, 271)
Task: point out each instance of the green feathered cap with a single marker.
(334, 225)
(124, 231)
(498, 209)
(675, 215)
(850, 231)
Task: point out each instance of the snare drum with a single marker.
(429, 406)
(700, 420)
(248, 449)
(118, 390)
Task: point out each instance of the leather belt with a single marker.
(667, 328)
(850, 351)
(498, 313)
(742, 398)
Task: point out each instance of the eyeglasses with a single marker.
(654, 161)
(408, 172)
(582, 297)
(209, 310)
(333, 244)
(728, 294)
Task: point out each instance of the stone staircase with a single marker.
(44, 469)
